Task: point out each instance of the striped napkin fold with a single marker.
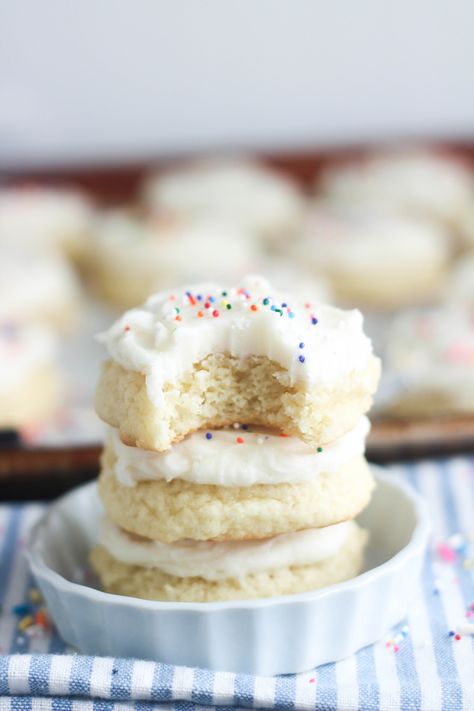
(424, 664)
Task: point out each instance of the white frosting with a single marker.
(166, 336)
(240, 191)
(168, 251)
(433, 350)
(230, 559)
(357, 240)
(35, 284)
(418, 181)
(24, 347)
(236, 457)
(41, 217)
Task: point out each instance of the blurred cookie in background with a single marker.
(373, 259)
(39, 286)
(30, 384)
(460, 286)
(430, 353)
(290, 278)
(418, 182)
(135, 256)
(240, 191)
(38, 218)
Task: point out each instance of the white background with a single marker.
(108, 80)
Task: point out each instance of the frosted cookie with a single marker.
(208, 356)
(431, 354)
(418, 182)
(134, 257)
(204, 571)
(241, 192)
(460, 286)
(29, 384)
(234, 484)
(38, 287)
(373, 258)
(43, 218)
(298, 279)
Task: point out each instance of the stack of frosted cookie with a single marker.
(234, 464)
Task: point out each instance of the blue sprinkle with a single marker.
(188, 293)
(301, 345)
(212, 299)
(199, 297)
(451, 633)
(273, 308)
(283, 306)
(208, 435)
(291, 314)
(301, 359)
(314, 321)
(22, 609)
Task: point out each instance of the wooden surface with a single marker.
(45, 473)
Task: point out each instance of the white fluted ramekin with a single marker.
(271, 636)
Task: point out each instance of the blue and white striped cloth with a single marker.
(430, 671)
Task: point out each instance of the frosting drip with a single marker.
(236, 458)
(230, 559)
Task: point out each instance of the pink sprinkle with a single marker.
(460, 352)
(446, 553)
(312, 680)
(396, 648)
(469, 613)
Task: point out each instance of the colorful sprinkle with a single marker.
(200, 314)
(41, 619)
(239, 440)
(215, 313)
(25, 622)
(301, 358)
(301, 345)
(314, 320)
(446, 553)
(35, 595)
(254, 307)
(208, 435)
(319, 449)
(266, 301)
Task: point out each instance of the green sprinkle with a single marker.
(319, 449)
(266, 301)
(228, 306)
(224, 293)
